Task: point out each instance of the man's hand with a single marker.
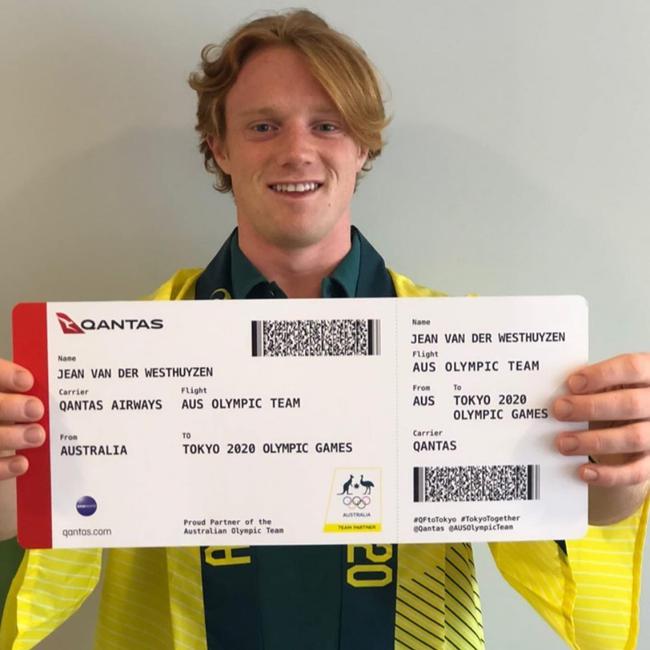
(614, 397)
(18, 413)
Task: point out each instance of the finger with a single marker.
(14, 437)
(20, 408)
(12, 466)
(625, 404)
(636, 472)
(624, 370)
(14, 377)
(628, 439)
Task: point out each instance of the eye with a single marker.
(262, 127)
(327, 127)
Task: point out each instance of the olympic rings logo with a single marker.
(356, 502)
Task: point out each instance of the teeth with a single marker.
(295, 187)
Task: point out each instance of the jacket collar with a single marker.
(374, 280)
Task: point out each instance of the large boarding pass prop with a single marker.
(300, 421)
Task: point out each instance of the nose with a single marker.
(296, 146)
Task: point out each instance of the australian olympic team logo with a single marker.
(356, 494)
(354, 503)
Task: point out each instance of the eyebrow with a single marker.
(274, 111)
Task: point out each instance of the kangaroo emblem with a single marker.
(346, 485)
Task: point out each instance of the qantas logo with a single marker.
(68, 325)
(89, 325)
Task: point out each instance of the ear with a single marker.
(361, 158)
(219, 153)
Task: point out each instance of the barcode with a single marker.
(476, 483)
(316, 338)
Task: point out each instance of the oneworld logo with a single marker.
(86, 506)
(90, 325)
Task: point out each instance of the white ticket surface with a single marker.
(300, 421)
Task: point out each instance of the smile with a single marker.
(296, 187)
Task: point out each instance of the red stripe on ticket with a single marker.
(34, 487)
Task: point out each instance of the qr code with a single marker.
(477, 483)
(316, 338)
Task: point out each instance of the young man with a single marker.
(290, 114)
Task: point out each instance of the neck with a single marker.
(299, 270)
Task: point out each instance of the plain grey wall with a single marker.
(518, 162)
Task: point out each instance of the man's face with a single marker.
(292, 161)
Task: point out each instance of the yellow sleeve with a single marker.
(406, 288)
(590, 596)
(49, 586)
(180, 286)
